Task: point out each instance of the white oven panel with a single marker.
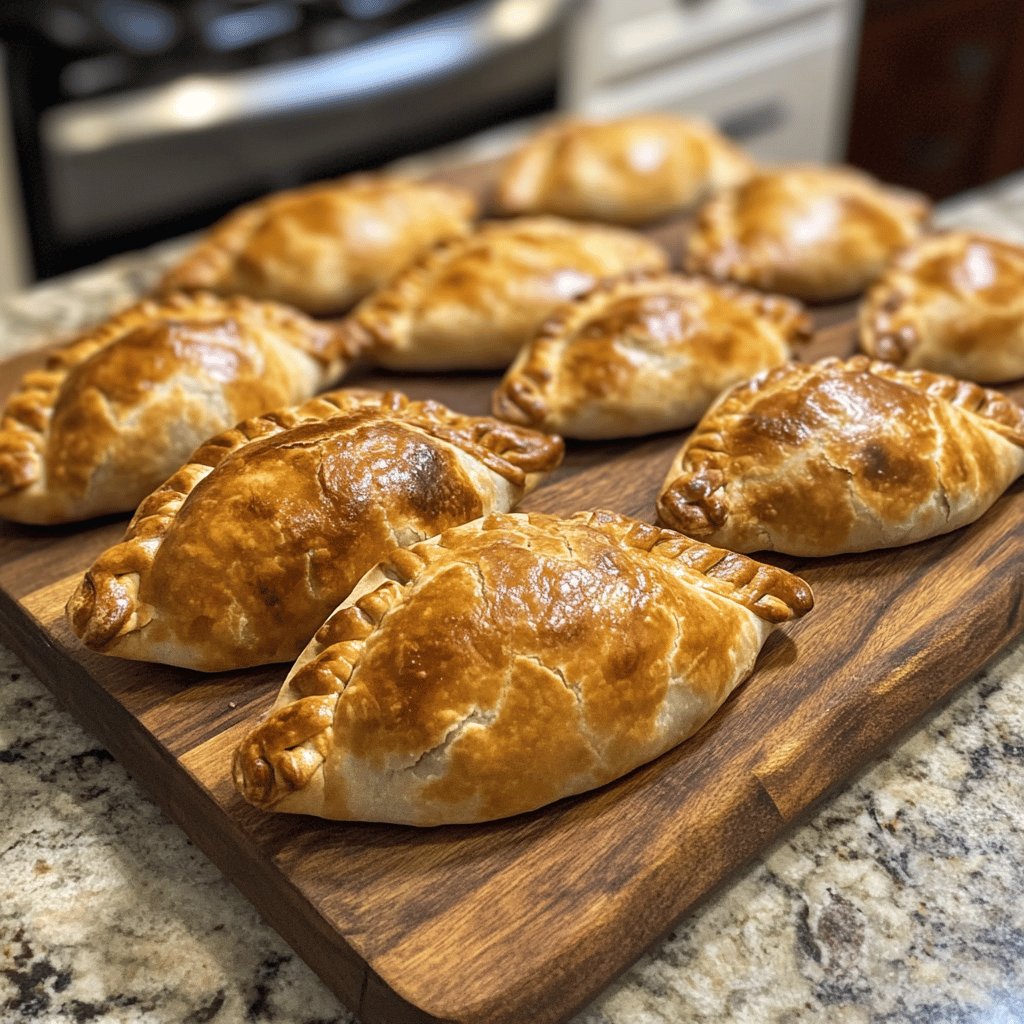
(783, 92)
(781, 95)
(619, 38)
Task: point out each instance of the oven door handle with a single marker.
(411, 55)
(754, 121)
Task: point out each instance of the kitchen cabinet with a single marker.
(939, 95)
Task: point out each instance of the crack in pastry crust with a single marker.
(645, 352)
(843, 455)
(248, 547)
(631, 170)
(816, 233)
(474, 302)
(116, 410)
(593, 644)
(952, 302)
(323, 247)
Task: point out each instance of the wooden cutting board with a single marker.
(526, 920)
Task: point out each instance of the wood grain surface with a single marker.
(525, 920)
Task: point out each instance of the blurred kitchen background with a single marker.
(124, 122)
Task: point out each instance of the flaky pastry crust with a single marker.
(474, 302)
(631, 170)
(644, 353)
(843, 456)
(115, 411)
(237, 559)
(508, 663)
(816, 233)
(323, 247)
(952, 302)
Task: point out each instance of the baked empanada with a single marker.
(508, 663)
(843, 456)
(323, 247)
(120, 408)
(474, 302)
(644, 353)
(816, 233)
(631, 170)
(240, 556)
(951, 302)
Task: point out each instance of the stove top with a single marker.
(101, 47)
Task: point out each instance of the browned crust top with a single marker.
(282, 755)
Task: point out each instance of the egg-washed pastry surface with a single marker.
(631, 170)
(323, 247)
(474, 302)
(644, 353)
(952, 302)
(117, 410)
(843, 456)
(509, 663)
(243, 553)
(816, 233)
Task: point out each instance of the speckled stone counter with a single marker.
(902, 899)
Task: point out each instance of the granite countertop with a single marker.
(902, 899)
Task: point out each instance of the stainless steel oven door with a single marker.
(125, 161)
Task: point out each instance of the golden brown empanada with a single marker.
(474, 302)
(843, 456)
(628, 171)
(323, 247)
(951, 302)
(644, 353)
(120, 408)
(816, 233)
(508, 663)
(238, 558)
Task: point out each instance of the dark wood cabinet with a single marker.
(939, 98)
